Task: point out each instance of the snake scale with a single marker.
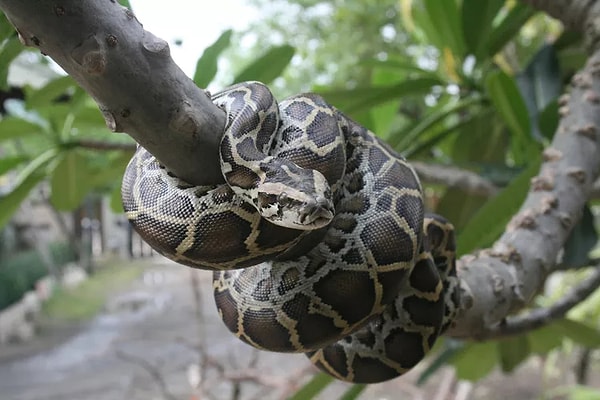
(318, 238)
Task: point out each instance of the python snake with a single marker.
(318, 238)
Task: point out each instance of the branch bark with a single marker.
(503, 279)
(131, 75)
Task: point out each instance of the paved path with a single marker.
(147, 343)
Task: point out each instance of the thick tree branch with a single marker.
(132, 77)
(501, 280)
(539, 317)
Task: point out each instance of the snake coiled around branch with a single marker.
(318, 238)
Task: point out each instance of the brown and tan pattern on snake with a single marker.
(318, 239)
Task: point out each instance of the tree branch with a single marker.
(131, 75)
(454, 177)
(502, 280)
(542, 316)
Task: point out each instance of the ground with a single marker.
(152, 340)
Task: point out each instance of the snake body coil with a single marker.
(318, 238)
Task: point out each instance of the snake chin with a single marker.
(296, 209)
(308, 215)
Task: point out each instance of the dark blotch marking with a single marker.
(161, 236)
(227, 306)
(397, 175)
(377, 159)
(370, 370)
(263, 290)
(263, 328)
(424, 276)
(298, 110)
(241, 176)
(219, 237)
(353, 257)
(315, 330)
(271, 235)
(289, 281)
(389, 243)
(344, 223)
(391, 283)
(314, 265)
(336, 357)
(351, 293)
(406, 348)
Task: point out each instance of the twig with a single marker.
(542, 316)
(454, 177)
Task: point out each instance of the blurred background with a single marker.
(467, 89)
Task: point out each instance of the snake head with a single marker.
(305, 205)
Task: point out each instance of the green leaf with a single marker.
(481, 140)
(50, 92)
(513, 351)
(450, 349)
(8, 163)
(489, 221)
(392, 64)
(16, 128)
(518, 15)
(459, 206)
(9, 203)
(476, 360)
(477, 23)
(507, 100)
(70, 181)
(445, 19)
(364, 98)
(544, 340)
(579, 332)
(428, 140)
(6, 28)
(16, 109)
(112, 173)
(540, 83)
(548, 120)
(434, 116)
(206, 67)
(9, 50)
(268, 67)
(313, 387)
(25, 180)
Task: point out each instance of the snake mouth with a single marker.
(317, 215)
